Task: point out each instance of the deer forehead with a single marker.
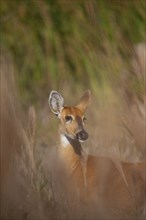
(73, 111)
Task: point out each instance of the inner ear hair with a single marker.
(56, 102)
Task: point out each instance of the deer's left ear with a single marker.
(56, 102)
(84, 101)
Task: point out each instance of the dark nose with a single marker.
(82, 135)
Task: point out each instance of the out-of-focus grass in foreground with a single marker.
(68, 46)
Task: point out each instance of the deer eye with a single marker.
(68, 118)
(84, 119)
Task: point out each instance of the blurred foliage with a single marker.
(70, 43)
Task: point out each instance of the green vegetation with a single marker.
(70, 44)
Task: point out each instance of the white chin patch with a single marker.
(81, 141)
(64, 141)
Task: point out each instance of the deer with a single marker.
(97, 177)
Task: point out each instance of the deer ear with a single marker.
(84, 101)
(56, 102)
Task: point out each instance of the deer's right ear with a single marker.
(56, 102)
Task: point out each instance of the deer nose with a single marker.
(82, 135)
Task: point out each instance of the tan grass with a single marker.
(33, 184)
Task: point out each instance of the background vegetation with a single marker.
(72, 44)
(68, 46)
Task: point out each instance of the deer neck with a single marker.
(70, 152)
(74, 160)
(68, 144)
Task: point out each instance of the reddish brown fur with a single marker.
(73, 127)
(98, 178)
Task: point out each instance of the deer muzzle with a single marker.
(82, 136)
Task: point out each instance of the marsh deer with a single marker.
(96, 177)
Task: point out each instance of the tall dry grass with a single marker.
(19, 199)
(32, 186)
(117, 124)
(33, 183)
